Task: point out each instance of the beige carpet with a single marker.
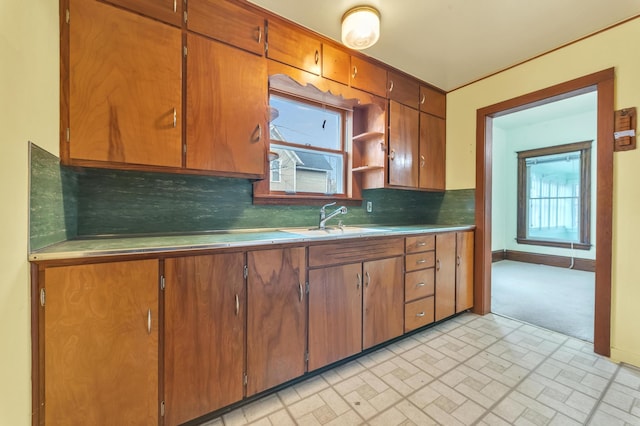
(558, 299)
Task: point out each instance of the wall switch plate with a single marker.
(369, 206)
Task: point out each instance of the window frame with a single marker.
(262, 190)
(584, 232)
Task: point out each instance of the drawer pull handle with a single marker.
(149, 321)
(259, 35)
(355, 72)
(458, 260)
(422, 161)
(422, 99)
(359, 281)
(237, 305)
(420, 315)
(368, 279)
(421, 244)
(175, 118)
(438, 265)
(392, 155)
(301, 291)
(422, 284)
(175, 5)
(391, 86)
(421, 261)
(317, 57)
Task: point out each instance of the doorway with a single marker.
(603, 82)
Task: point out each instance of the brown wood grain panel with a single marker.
(418, 313)
(228, 22)
(335, 314)
(276, 317)
(291, 46)
(335, 64)
(550, 260)
(227, 128)
(403, 89)
(368, 77)
(420, 243)
(204, 334)
(417, 261)
(100, 360)
(354, 251)
(433, 102)
(419, 284)
(445, 275)
(383, 301)
(403, 145)
(433, 152)
(169, 11)
(464, 271)
(125, 87)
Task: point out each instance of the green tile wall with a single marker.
(66, 203)
(126, 202)
(53, 207)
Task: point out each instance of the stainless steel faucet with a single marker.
(324, 218)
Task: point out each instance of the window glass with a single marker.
(308, 141)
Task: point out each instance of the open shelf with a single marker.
(367, 136)
(363, 169)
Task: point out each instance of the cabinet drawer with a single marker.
(419, 284)
(354, 251)
(420, 243)
(418, 313)
(413, 262)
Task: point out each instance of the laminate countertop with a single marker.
(114, 245)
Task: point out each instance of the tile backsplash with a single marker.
(69, 202)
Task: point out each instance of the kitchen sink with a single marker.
(333, 231)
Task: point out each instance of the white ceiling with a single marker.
(450, 43)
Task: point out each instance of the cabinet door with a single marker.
(403, 89)
(228, 22)
(464, 271)
(125, 87)
(445, 275)
(368, 77)
(204, 334)
(335, 64)
(226, 109)
(335, 314)
(383, 301)
(101, 344)
(432, 152)
(293, 47)
(433, 102)
(169, 11)
(403, 145)
(276, 317)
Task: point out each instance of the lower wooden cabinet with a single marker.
(204, 334)
(100, 344)
(276, 317)
(464, 270)
(383, 301)
(454, 273)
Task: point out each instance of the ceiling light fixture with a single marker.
(360, 27)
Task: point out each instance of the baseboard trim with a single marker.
(498, 255)
(545, 259)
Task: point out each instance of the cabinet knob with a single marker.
(392, 154)
(355, 72)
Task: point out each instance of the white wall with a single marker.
(571, 128)
(29, 108)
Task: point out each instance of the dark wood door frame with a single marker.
(603, 82)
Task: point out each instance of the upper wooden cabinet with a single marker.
(169, 11)
(276, 317)
(403, 145)
(291, 46)
(100, 348)
(335, 64)
(124, 88)
(433, 102)
(368, 77)
(226, 109)
(432, 152)
(204, 334)
(228, 22)
(403, 89)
